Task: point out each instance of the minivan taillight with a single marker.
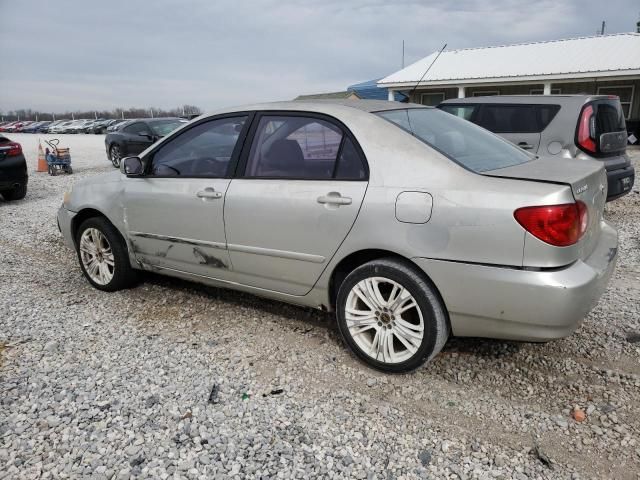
(586, 130)
(558, 225)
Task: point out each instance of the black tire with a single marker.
(123, 275)
(434, 315)
(17, 193)
(115, 155)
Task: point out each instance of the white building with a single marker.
(605, 64)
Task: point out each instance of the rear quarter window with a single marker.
(465, 143)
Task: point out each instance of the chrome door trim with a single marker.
(270, 252)
(186, 241)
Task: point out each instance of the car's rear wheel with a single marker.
(390, 316)
(16, 193)
(115, 154)
(103, 255)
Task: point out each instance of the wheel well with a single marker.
(352, 261)
(83, 215)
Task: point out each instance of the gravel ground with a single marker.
(120, 385)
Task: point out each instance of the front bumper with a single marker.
(65, 218)
(517, 304)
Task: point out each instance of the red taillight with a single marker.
(558, 225)
(584, 130)
(15, 149)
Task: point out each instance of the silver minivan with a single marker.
(560, 126)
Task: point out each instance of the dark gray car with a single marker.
(561, 126)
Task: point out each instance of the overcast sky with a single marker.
(73, 54)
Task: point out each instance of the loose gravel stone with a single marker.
(117, 385)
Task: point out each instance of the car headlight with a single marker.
(66, 198)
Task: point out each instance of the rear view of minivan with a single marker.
(562, 126)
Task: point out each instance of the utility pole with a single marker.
(602, 29)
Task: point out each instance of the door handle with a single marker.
(209, 193)
(334, 198)
(525, 146)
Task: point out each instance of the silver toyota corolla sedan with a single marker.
(408, 222)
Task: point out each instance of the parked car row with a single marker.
(96, 126)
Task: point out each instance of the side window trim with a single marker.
(241, 166)
(147, 161)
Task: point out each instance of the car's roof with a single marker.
(324, 106)
(527, 99)
(160, 119)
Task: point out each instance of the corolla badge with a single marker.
(581, 189)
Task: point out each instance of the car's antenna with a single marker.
(426, 71)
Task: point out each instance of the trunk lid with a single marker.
(588, 182)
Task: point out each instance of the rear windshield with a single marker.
(609, 117)
(467, 144)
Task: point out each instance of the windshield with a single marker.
(165, 128)
(467, 144)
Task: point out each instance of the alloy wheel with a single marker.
(97, 256)
(384, 320)
(115, 156)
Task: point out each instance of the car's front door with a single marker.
(517, 123)
(174, 212)
(298, 192)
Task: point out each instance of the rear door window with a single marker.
(306, 148)
(508, 118)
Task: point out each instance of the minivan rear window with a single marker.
(467, 144)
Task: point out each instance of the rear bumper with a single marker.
(516, 304)
(619, 182)
(13, 172)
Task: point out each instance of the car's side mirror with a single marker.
(146, 134)
(131, 166)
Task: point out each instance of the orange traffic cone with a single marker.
(42, 161)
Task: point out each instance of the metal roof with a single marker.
(370, 91)
(603, 55)
(328, 95)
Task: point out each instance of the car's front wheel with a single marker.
(391, 316)
(115, 154)
(103, 255)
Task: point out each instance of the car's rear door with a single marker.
(174, 213)
(298, 191)
(517, 123)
